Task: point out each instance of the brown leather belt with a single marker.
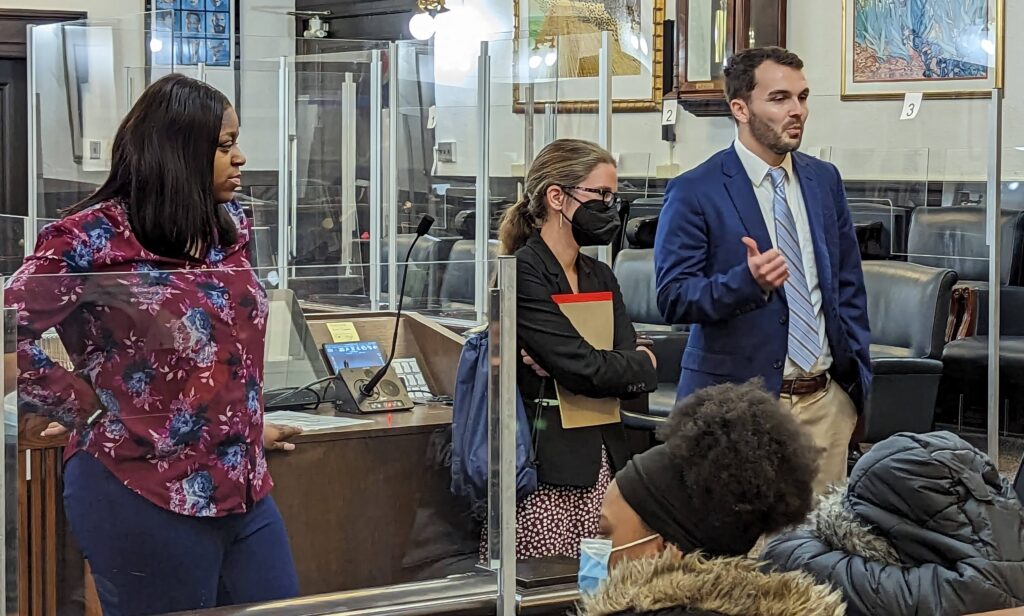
(804, 386)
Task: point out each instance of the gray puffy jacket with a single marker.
(925, 526)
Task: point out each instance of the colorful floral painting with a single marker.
(939, 47)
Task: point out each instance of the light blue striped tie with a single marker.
(804, 345)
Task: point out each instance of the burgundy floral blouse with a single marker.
(168, 356)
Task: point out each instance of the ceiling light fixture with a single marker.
(424, 24)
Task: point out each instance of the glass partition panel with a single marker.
(900, 165)
(1006, 411)
(917, 197)
(437, 162)
(12, 243)
(337, 162)
(167, 377)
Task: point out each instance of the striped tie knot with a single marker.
(778, 176)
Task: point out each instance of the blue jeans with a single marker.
(148, 560)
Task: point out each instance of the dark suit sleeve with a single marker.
(557, 347)
(686, 293)
(853, 301)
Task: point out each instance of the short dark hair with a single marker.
(740, 69)
(743, 458)
(162, 169)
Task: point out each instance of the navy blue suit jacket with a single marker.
(739, 332)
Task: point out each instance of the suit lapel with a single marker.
(737, 183)
(815, 203)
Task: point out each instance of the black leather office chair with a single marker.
(908, 306)
(634, 269)
(893, 220)
(458, 284)
(426, 269)
(954, 237)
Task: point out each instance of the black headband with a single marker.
(653, 485)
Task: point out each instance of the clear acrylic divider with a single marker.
(160, 355)
(13, 230)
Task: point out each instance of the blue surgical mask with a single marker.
(594, 555)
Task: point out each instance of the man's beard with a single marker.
(772, 139)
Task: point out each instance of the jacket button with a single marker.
(783, 320)
(777, 365)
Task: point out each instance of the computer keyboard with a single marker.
(409, 372)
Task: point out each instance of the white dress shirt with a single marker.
(757, 170)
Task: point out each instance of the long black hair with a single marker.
(162, 169)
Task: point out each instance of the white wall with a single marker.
(865, 138)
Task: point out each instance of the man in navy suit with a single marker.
(755, 249)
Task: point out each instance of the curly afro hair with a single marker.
(742, 457)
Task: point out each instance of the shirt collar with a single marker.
(756, 168)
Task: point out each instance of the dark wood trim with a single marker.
(13, 24)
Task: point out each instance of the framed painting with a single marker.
(560, 41)
(943, 48)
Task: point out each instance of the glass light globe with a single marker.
(635, 41)
(535, 61)
(422, 26)
(551, 58)
(643, 47)
(156, 45)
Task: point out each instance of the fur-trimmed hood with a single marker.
(728, 586)
(836, 526)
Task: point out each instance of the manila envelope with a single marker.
(593, 317)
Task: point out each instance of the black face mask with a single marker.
(594, 223)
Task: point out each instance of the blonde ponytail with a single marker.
(563, 162)
(517, 225)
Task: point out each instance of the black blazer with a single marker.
(573, 457)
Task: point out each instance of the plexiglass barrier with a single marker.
(167, 377)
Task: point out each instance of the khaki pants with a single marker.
(830, 418)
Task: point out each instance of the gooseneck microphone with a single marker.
(368, 388)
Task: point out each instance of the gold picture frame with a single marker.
(619, 105)
(990, 40)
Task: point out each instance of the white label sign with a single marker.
(669, 107)
(432, 117)
(911, 105)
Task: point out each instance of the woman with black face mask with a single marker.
(569, 202)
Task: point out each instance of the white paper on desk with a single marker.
(312, 423)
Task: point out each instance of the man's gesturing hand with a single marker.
(769, 269)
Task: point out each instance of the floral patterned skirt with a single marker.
(554, 519)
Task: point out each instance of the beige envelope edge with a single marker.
(595, 321)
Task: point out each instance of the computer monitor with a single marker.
(292, 357)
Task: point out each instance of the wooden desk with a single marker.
(359, 503)
(1017, 611)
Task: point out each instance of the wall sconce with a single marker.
(423, 24)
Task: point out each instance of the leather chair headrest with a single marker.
(465, 224)
(640, 231)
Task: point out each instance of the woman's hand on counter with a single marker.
(275, 437)
(54, 429)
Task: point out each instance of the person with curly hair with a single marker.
(680, 519)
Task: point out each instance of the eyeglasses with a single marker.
(610, 197)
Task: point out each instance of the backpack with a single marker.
(469, 452)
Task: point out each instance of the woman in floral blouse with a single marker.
(149, 287)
